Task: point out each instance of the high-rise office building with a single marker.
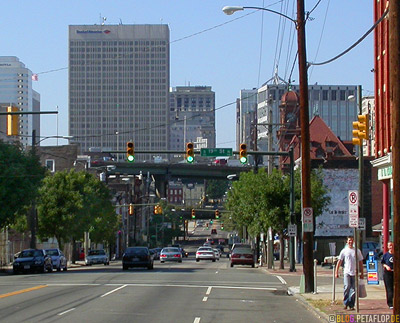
(247, 117)
(192, 117)
(16, 91)
(119, 87)
(330, 102)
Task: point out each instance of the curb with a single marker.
(308, 306)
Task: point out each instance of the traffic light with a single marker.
(193, 214)
(217, 214)
(222, 226)
(157, 209)
(131, 209)
(12, 122)
(130, 154)
(243, 153)
(361, 129)
(189, 152)
(211, 221)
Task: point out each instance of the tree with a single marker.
(260, 200)
(72, 203)
(20, 178)
(216, 188)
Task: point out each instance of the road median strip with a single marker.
(22, 291)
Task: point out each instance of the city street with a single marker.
(172, 292)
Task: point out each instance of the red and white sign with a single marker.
(308, 223)
(353, 209)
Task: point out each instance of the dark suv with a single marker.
(137, 257)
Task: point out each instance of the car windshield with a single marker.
(170, 250)
(243, 250)
(205, 249)
(136, 251)
(96, 252)
(30, 253)
(52, 252)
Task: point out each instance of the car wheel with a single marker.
(162, 262)
(197, 260)
(50, 269)
(150, 267)
(124, 267)
(253, 265)
(15, 272)
(65, 268)
(213, 260)
(179, 260)
(231, 264)
(59, 268)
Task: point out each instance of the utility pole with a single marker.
(33, 211)
(394, 91)
(305, 146)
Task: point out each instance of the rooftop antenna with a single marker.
(102, 20)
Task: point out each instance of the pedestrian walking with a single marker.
(387, 264)
(348, 257)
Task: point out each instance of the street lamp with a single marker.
(305, 133)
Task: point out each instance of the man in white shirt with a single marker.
(348, 255)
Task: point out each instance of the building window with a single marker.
(333, 95)
(51, 165)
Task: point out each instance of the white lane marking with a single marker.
(114, 290)
(196, 320)
(195, 286)
(62, 313)
(216, 272)
(282, 280)
(205, 298)
(208, 290)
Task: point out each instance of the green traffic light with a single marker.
(131, 158)
(190, 159)
(243, 160)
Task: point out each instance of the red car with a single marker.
(242, 256)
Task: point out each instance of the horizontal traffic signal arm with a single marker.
(249, 152)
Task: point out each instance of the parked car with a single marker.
(171, 254)
(58, 259)
(97, 256)
(32, 260)
(137, 257)
(205, 253)
(368, 246)
(242, 256)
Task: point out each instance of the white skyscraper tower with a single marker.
(119, 87)
(16, 91)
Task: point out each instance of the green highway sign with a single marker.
(216, 152)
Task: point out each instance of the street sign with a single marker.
(292, 230)
(361, 224)
(353, 209)
(216, 152)
(308, 222)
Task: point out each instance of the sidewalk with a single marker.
(321, 302)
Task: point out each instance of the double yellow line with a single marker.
(22, 291)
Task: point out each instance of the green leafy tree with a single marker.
(20, 177)
(260, 200)
(216, 188)
(72, 203)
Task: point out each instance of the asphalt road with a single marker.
(172, 292)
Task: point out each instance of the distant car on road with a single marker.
(30, 260)
(137, 257)
(97, 256)
(217, 253)
(171, 254)
(242, 256)
(205, 253)
(58, 259)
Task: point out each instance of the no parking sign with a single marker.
(353, 209)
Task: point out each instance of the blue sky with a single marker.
(228, 53)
